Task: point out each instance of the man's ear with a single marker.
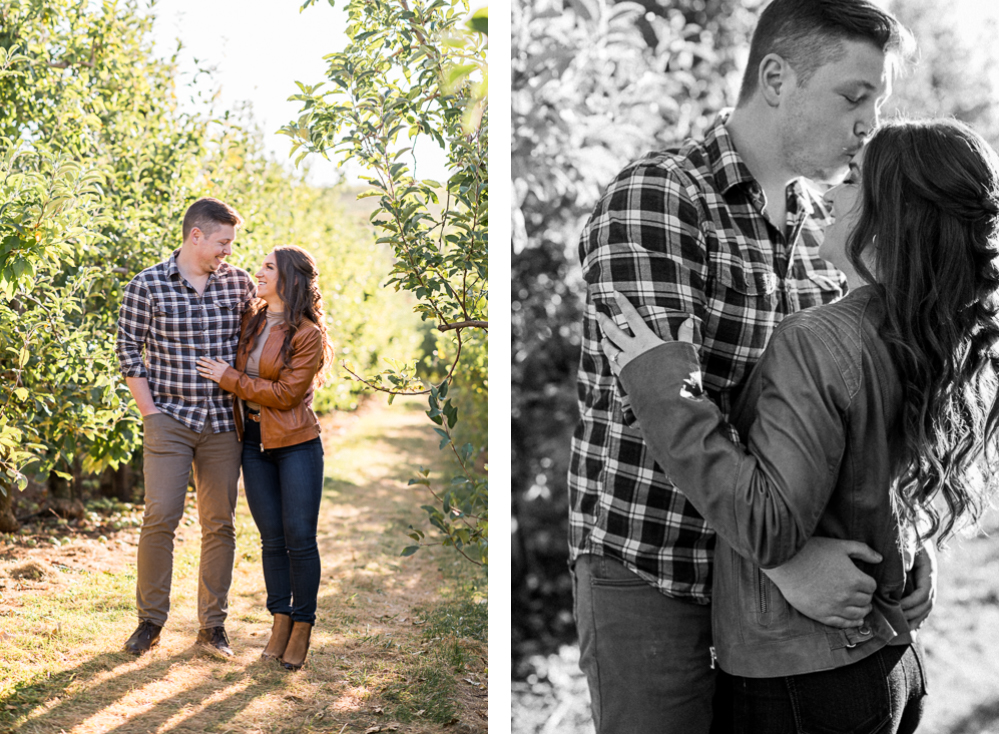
(774, 78)
(196, 234)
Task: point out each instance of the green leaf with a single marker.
(409, 550)
(478, 21)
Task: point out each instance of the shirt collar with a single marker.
(726, 164)
(172, 269)
(174, 272)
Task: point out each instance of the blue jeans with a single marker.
(646, 656)
(283, 488)
(882, 694)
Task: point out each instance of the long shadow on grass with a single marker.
(31, 693)
(73, 709)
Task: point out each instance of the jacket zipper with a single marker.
(762, 593)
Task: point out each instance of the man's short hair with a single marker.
(809, 34)
(208, 214)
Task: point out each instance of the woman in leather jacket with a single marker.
(282, 354)
(873, 418)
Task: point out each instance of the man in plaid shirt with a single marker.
(176, 311)
(724, 229)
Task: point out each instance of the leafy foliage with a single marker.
(97, 166)
(412, 70)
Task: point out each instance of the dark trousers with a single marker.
(646, 656)
(283, 488)
(882, 694)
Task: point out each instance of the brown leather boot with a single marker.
(280, 631)
(294, 656)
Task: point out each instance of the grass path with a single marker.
(399, 644)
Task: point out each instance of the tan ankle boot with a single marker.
(294, 656)
(280, 632)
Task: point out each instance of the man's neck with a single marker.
(190, 271)
(757, 145)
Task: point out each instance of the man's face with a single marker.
(825, 122)
(212, 249)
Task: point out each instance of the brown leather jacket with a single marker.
(285, 393)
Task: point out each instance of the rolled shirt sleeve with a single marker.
(134, 318)
(648, 245)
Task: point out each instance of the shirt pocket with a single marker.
(822, 286)
(748, 280)
(172, 319)
(224, 321)
(741, 306)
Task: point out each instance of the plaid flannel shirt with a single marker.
(163, 314)
(680, 232)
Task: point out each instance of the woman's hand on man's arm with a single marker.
(621, 348)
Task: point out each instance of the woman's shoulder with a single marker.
(837, 334)
(307, 332)
(844, 319)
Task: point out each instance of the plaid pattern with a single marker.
(162, 313)
(680, 232)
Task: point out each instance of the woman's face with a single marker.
(267, 278)
(845, 206)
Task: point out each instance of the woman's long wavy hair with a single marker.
(928, 230)
(298, 288)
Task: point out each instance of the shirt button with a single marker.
(865, 631)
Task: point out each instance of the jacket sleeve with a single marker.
(293, 381)
(766, 498)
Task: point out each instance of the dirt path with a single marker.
(395, 648)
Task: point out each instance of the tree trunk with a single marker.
(58, 487)
(61, 501)
(76, 489)
(8, 523)
(118, 483)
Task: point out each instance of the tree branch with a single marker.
(463, 325)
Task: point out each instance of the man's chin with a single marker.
(832, 175)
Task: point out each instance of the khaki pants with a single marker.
(169, 449)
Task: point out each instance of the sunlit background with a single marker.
(241, 56)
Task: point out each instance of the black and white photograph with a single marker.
(754, 366)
